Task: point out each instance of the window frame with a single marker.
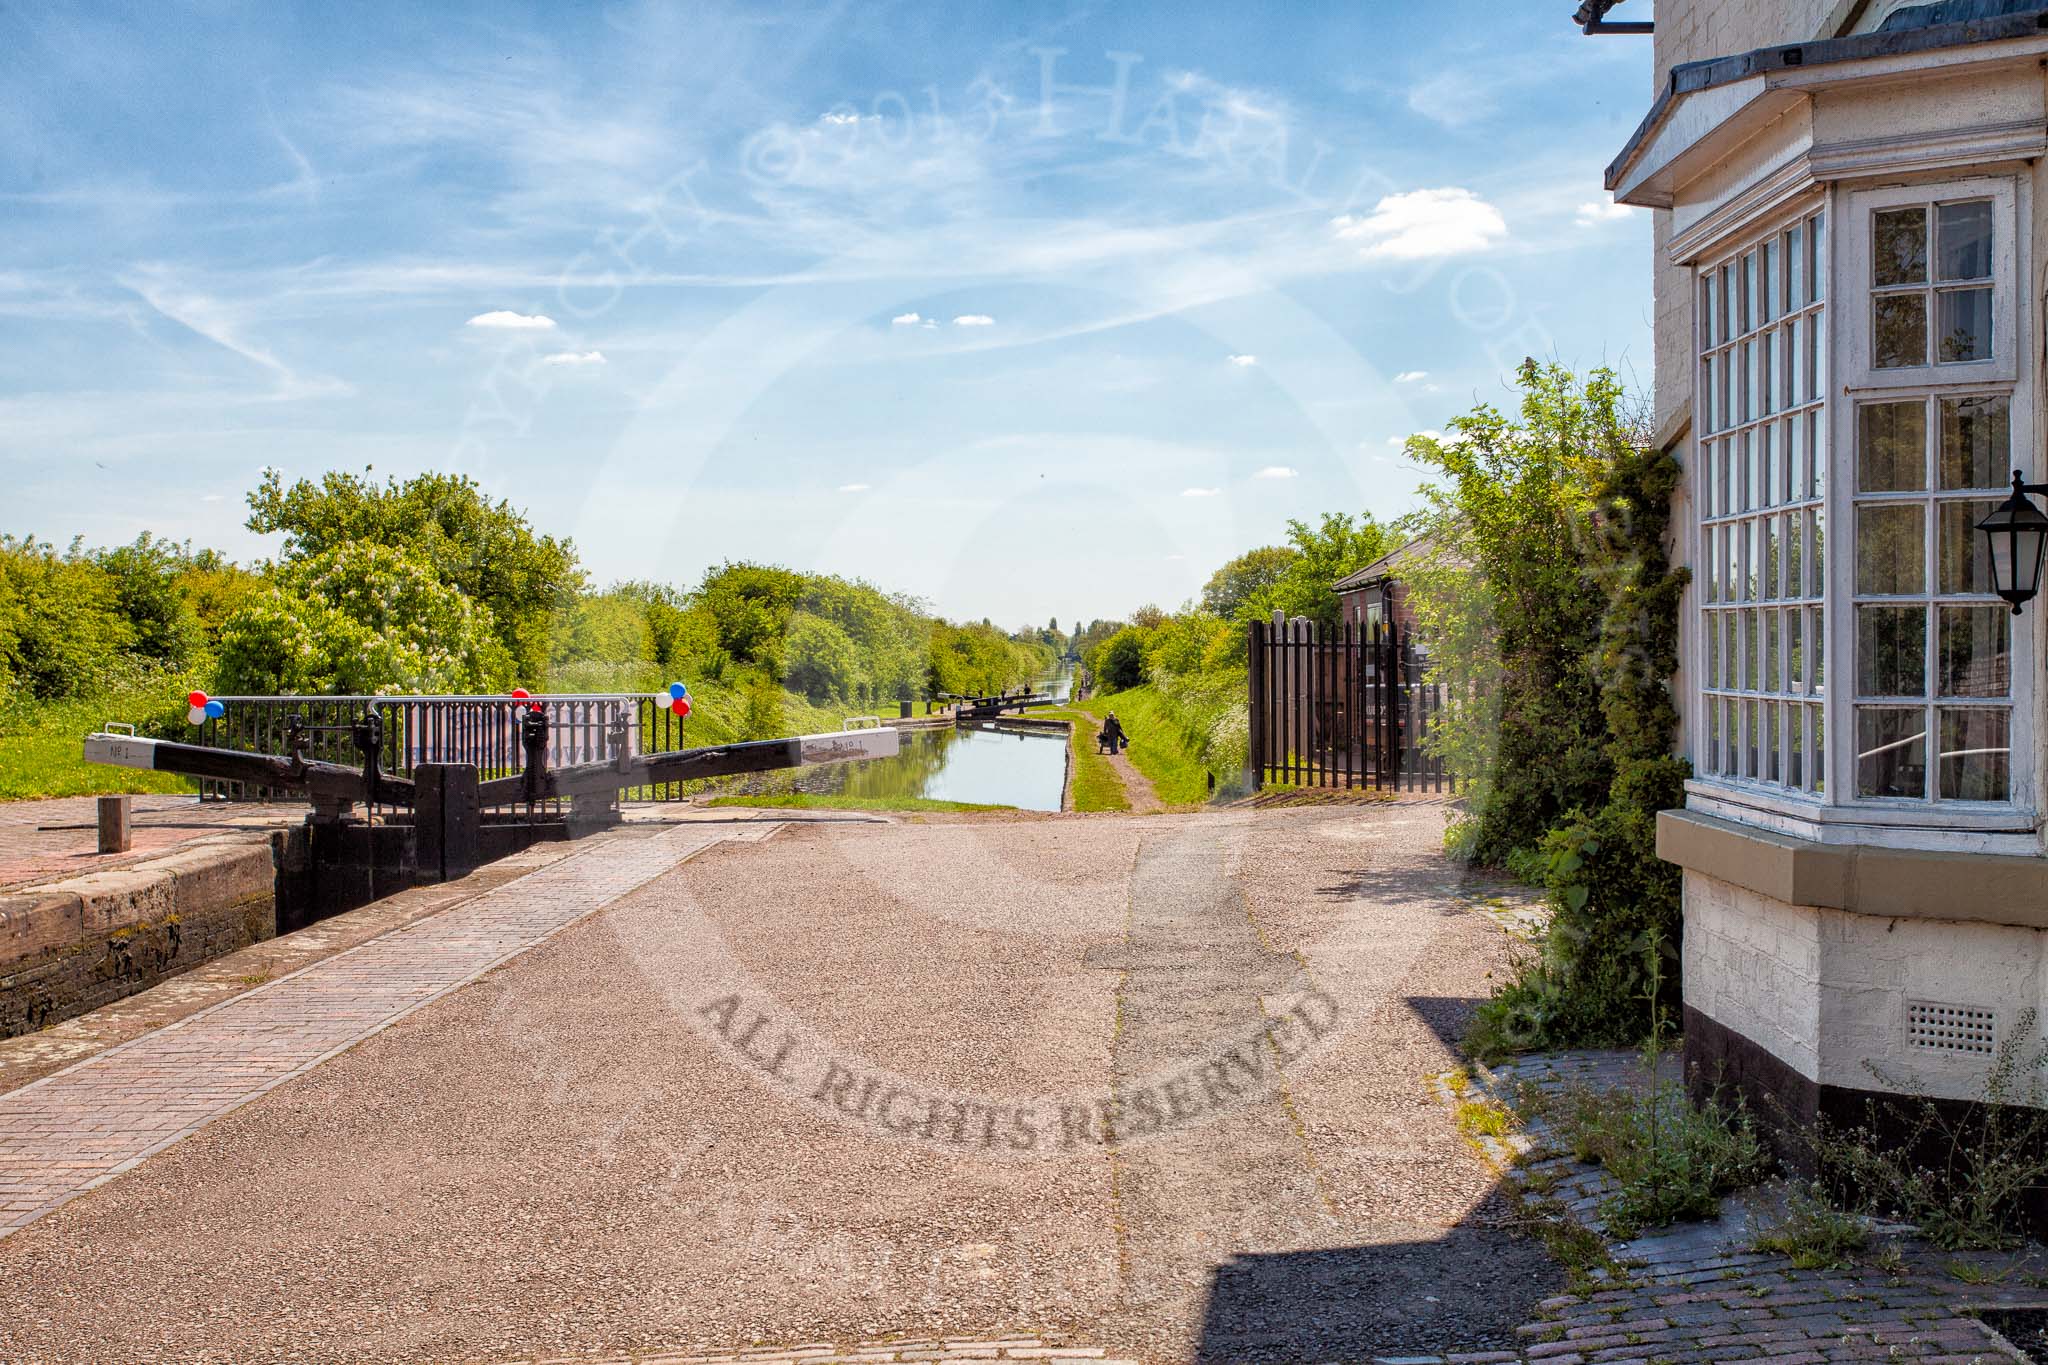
(1711, 492)
(1837, 812)
(1855, 273)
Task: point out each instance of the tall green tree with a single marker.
(62, 630)
(1252, 575)
(485, 550)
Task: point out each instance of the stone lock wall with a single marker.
(77, 945)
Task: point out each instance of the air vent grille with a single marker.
(1952, 1028)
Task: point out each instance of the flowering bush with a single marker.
(361, 618)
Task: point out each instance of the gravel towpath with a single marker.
(1155, 1086)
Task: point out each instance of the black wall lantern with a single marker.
(2018, 532)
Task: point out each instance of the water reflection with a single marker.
(983, 767)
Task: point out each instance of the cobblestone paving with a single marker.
(1698, 1293)
(82, 1126)
(944, 1351)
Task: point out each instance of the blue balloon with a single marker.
(677, 691)
(215, 710)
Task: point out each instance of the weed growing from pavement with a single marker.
(1672, 1159)
(1960, 1177)
(1483, 1118)
(1813, 1233)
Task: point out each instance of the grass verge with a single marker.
(1161, 747)
(1094, 785)
(42, 753)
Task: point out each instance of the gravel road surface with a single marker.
(1154, 1084)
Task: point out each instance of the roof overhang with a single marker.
(1711, 108)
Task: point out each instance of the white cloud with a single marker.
(1424, 224)
(513, 322)
(906, 320)
(1411, 376)
(1201, 492)
(1453, 97)
(1244, 362)
(574, 358)
(974, 320)
(839, 118)
(1278, 471)
(1594, 213)
(855, 487)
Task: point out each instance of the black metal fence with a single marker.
(1350, 710)
(483, 730)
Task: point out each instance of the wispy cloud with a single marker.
(574, 358)
(1278, 471)
(1201, 492)
(974, 320)
(855, 487)
(506, 320)
(1244, 362)
(1453, 97)
(1595, 212)
(222, 324)
(906, 320)
(1411, 376)
(1424, 225)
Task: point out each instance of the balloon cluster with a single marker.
(679, 699)
(200, 708)
(521, 694)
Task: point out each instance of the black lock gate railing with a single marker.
(479, 730)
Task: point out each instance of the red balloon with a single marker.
(681, 706)
(195, 699)
(521, 692)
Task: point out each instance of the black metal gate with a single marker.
(1348, 710)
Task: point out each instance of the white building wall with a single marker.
(1831, 993)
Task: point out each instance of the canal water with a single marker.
(981, 767)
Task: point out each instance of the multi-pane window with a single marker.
(1933, 647)
(1931, 285)
(1933, 681)
(1761, 494)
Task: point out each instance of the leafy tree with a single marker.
(609, 627)
(822, 660)
(485, 550)
(214, 588)
(1340, 545)
(1252, 575)
(750, 606)
(1553, 610)
(361, 618)
(1120, 664)
(61, 626)
(148, 589)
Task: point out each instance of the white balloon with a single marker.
(196, 714)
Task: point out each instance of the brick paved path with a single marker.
(48, 840)
(1697, 1293)
(81, 1127)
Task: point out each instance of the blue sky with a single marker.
(1032, 310)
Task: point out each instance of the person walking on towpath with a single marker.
(1112, 736)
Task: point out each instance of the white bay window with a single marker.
(1925, 717)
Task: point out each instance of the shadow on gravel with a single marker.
(1466, 1291)
(1447, 1016)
